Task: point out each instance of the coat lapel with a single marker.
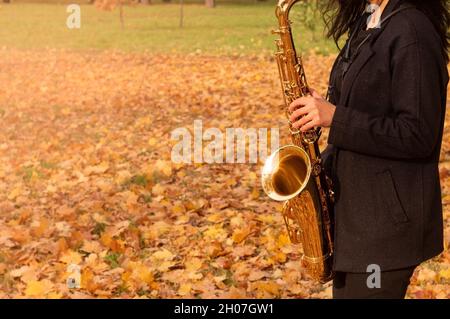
(363, 57)
(353, 71)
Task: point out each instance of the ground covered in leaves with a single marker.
(86, 179)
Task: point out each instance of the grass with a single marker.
(113, 259)
(228, 28)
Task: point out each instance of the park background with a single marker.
(86, 177)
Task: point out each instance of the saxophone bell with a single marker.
(286, 173)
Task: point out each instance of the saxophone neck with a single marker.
(285, 6)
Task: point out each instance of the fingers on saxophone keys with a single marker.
(299, 103)
(304, 120)
(309, 126)
(298, 113)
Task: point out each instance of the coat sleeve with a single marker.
(412, 130)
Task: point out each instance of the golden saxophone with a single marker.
(294, 173)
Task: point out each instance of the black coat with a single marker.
(384, 147)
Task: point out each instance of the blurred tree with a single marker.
(110, 5)
(210, 3)
(181, 13)
(308, 15)
(122, 23)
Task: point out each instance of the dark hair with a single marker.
(341, 15)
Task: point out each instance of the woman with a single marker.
(386, 109)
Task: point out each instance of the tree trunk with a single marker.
(146, 2)
(210, 3)
(122, 24)
(181, 13)
(6, 1)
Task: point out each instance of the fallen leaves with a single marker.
(96, 169)
(38, 288)
(71, 257)
(87, 180)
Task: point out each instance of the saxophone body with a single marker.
(294, 173)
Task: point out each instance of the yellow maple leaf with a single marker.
(126, 276)
(97, 169)
(193, 264)
(152, 141)
(283, 240)
(144, 274)
(178, 208)
(257, 275)
(214, 217)
(268, 287)
(164, 167)
(40, 227)
(54, 295)
(38, 288)
(131, 198)
(240, 234)
(158, 190)
(445, 274)
(255, 193)
(280, 257)
(252, 177)
(184, 289)
(25, 273)
(122, 176)
(71, 257)
(14, 193)
(426, 274)
(163, 255)
(216, 232)
(87, 280)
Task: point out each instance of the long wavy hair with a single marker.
(341, 15)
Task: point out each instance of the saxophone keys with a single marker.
(317, 168)
(293, 131)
